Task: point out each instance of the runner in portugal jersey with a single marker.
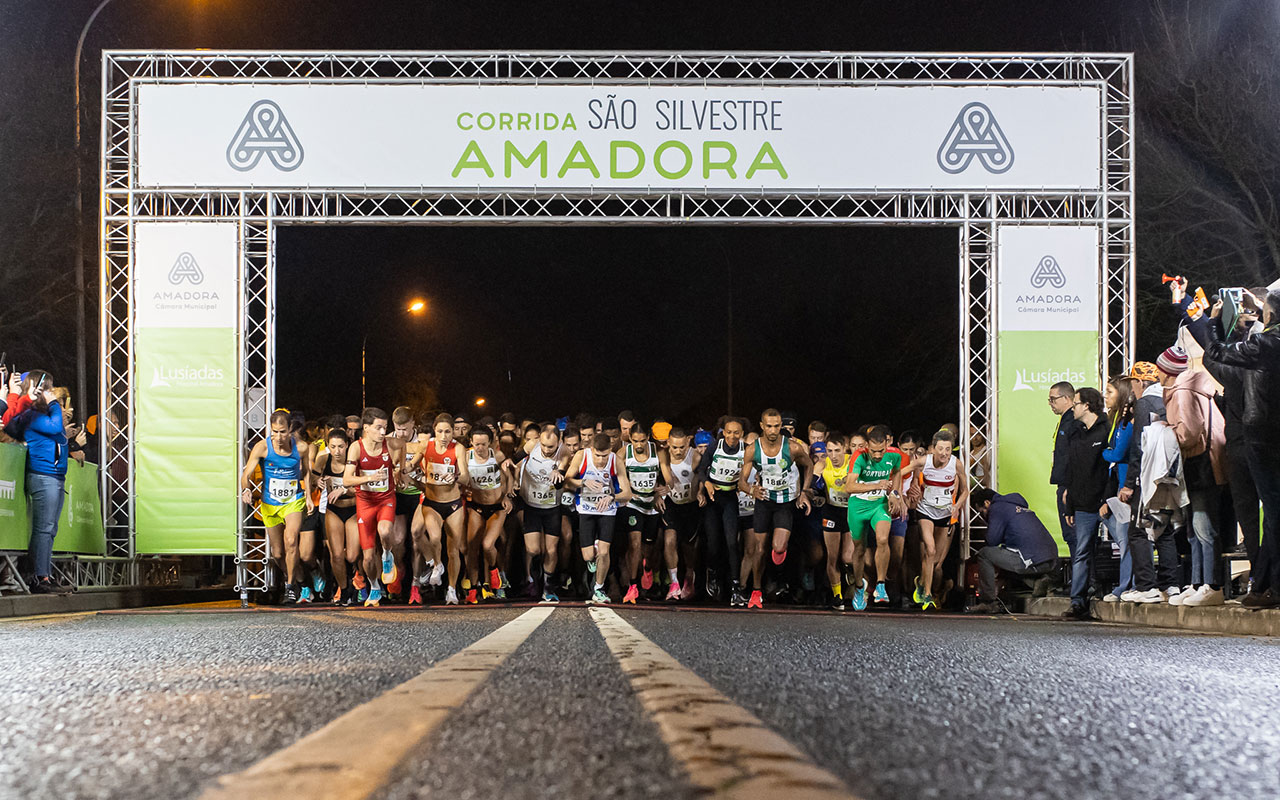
(874, 484)
(943, 489)
(374, 467)
(600, 486)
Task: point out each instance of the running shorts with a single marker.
(368, 515)
(486, 510)
(274, 515)
(746, 522)
(899, 527)
(446, 509)
(835, 519)
(771, 515)
(407, 504)
(594, 528)
(343, 513)
(542, 520)
(938, 516)
(311, 522)
(647, 524)
(863, 518)
(683, 519)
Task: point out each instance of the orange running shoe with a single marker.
(495, 580)
(756, 601)
(633, 594)
(472, 597)
(358, 581)
(415, 597)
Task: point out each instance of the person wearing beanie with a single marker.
(1173, 361)
(1147, 407)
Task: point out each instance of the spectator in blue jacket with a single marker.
(1119, 400)
(40, 427)
(1017, 543)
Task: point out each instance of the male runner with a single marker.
(340, 515)
(573, 442)
(626, 421)
(462, 430)
(446, 467)
(540, 472)
(487, 509)
(782, 471)
(286, 494)
(943, 488)
(594, 475)
(719, 469)
(834, 473)
(680, 511)
(874, 483)
(640, 465)
(409, 521)
(375, 469)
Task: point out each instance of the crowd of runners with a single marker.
(391, 508)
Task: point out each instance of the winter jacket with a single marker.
(1148, 407)
(1014, 526)
(1087, 471)
(45, 437)
(1058, 472)
(1197, 421)
(17, 404)
(1259, 356)
(1117, 452)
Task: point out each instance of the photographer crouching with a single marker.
(34, 417)
(1257, 356)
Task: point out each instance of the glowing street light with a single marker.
(418, 307)
(479, 402)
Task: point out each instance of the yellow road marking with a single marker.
(57, 616)
(724, 748)
(329, 765)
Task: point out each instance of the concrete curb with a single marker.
(1212, 619)
(107, 600)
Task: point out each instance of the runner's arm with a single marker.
(664, 464)
(251, 463)
(464, 474)
(744, 483)
(624, 488)
(962, 485)
(571, 481)
(304, 456)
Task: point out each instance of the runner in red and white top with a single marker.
(374, 467)
(445, 464)
(943, 489)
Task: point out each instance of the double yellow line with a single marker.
(724, 749)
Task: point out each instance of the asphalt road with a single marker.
(159, 704)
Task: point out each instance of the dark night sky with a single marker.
(617, 316)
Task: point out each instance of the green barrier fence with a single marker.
(80, 527)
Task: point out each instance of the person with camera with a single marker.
(1259, 358)
(34, 417)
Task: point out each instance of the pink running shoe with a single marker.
(415, 597)
(673, 591)
(756, 601)
(777, 557)
(646, 577)
(633, 594)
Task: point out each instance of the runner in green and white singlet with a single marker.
(640, 517)
(782, 471)
(874, 485)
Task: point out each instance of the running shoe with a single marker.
(777, 557)
(736, 600)
(451, 596)
(358, 581)
(420, 581)
(591, 567)
(495, 580)
(501, 593)
(918, 594)
(713, 585)
(881, 595)
(633, 594)
(756, 601)
(393, 588)
(646, 577)
(687, 590)
(549, 597)
(806, 581)
(599, 598)
(927, 603)
(485, 594)
(317, 583)
(860, 596)
(472, 597)
(415, 596)
(506, 584)
(389, 571)
(673, 591)
(290, 595)
(437, 573)
(306, 595)
(531, 589)
(375, 598)
(837, 603)
(364, 593)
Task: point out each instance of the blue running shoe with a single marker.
(306, 596)
(860, 597)
(317, 583)
(549, 596)
(881, 594)
(389, 571)
(364, 593)
(375, 598)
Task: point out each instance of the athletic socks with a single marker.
(837, 592)
(674, 575)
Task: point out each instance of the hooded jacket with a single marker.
(1011, 524)
(45, 437)
(1197, 421)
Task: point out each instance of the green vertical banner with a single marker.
(80, 526)
(186, 409)
(14, 527)
(1048, 328)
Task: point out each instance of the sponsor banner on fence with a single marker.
(80, 526)
(1048, 332)
(185, 385)
(731, 138)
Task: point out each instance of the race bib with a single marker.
(681, 492)
(725, 472)
(937, 496)
(775, 480)
(874, 494)
(281, 491)
(837, 497)
(380, 485)
(542, 495)
(441, 473)
(566, 498)
(746, 504)
(645, 483)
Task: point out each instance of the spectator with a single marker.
(1197, 422)
(1085, 490)
(1061, 398)
(1017, 543)
(40, 426)
(76, 436)
(1148, 406)
(1119, 401)
(1259, 357)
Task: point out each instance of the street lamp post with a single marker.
(81, 379)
